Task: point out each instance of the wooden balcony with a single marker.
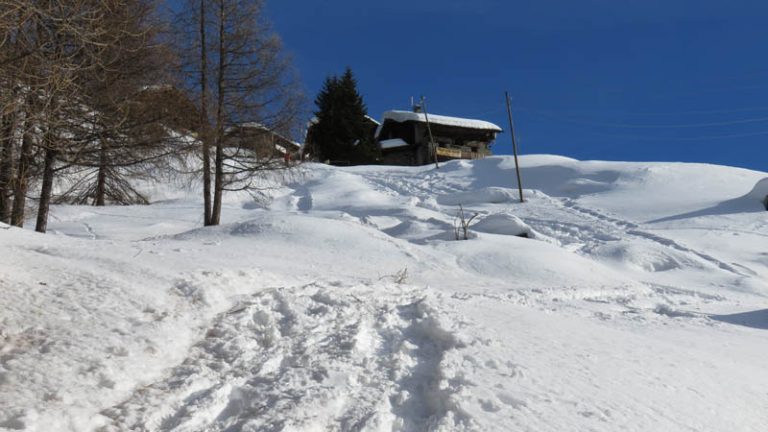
(453, 153)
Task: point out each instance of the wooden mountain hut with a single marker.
(404, 139)
(263, 142)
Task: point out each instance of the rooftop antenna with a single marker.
(417, 107)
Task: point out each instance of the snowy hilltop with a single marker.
(619, 296)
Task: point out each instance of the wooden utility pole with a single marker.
(514, 146)
(432, 143)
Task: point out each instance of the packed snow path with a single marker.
(638, 302)
(309, 357)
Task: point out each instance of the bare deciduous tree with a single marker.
(43, 50)
(126, 130)
(74, 79)
(71, 64)
(241, 77)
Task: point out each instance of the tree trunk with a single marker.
(218, 185)
(207, 181)
(218, 189)
(21, 184)
(46, 191)
(203, 129)
(7, 131)
(101, 177)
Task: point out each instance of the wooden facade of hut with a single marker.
(262, 141)
(404, 139)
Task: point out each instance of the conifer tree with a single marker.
(342, 134)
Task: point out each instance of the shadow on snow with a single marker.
(755, 319)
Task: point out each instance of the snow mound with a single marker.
(539, 160)
(332, 190)
(503, 223)
(645, 257)
(584, 186)
(531, 263)
(488, 195)
(760, 192)
(273, 242)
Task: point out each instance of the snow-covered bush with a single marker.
(504, 223)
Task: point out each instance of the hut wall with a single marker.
(405, 156)
(457, 142)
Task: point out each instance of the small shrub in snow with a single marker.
(399, 277)
(461, 224)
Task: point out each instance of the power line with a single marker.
(656, 114)
(555, 116)
(700, 138)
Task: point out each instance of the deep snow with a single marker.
(639, 302)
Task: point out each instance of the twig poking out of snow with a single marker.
(461, 224)
(399, 277)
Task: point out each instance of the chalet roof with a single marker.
(261, 127)
(404, 116)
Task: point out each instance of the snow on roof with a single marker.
(393, 143)
(314, 120)
(259, 126)
(246, 125)
(404, 116)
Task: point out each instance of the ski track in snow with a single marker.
(631, 228)
(291, 358)
(628, 228)
(594, 226)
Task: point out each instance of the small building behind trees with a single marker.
(403, 138)
(261, 142)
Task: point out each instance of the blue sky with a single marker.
(592, 79)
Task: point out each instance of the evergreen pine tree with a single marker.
(342, 134)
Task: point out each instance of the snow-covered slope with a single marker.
(639, 301)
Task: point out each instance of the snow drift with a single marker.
(345, 304)
(760, 192)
